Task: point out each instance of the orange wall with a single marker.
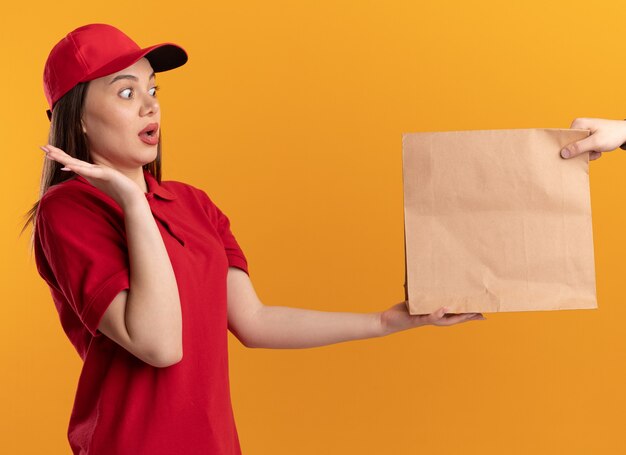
(290, 115)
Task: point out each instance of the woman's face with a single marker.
(118, 107)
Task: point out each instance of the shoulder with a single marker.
(196, 199)
(188, 192)
(73, 199)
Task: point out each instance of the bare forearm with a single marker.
(261, 326)
(281, 327)
(153, 313)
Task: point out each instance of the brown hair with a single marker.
(67, 134)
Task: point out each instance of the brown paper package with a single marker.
(496, 220)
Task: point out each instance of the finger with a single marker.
(59, 155)
(51, 148)
(576, 148)
(72, 167)
(89, 172)
(65, 160)
(581, 124)
(457, 318)
(55, 151)
(83, 168)
(435, 316)
(451, 320)
(593, 155)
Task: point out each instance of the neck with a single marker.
(133, 173)
(136, 175)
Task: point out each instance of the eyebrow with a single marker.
(128, 76)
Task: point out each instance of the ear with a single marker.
(82, 125)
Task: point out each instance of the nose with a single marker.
(149, 106)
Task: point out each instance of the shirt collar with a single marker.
(153, 186)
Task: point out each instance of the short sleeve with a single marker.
(84, 243)
(236, 258)
(235, 255)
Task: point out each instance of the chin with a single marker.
(147, 159)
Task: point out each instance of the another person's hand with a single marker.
(606, 135)
(397, 318)
(107, 179)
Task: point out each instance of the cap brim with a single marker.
(162, 57)
(165, 56)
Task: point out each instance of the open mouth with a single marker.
(150, 134)
(150, 130)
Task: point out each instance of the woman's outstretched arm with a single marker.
(261, 326)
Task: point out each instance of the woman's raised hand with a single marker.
(115, 184)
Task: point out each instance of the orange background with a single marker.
(290, 115)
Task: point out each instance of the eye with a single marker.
(126, 93)
(154, 89)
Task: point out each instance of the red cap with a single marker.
(96, 50)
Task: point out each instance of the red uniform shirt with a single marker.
(122, 404)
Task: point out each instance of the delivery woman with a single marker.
(146, 275)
